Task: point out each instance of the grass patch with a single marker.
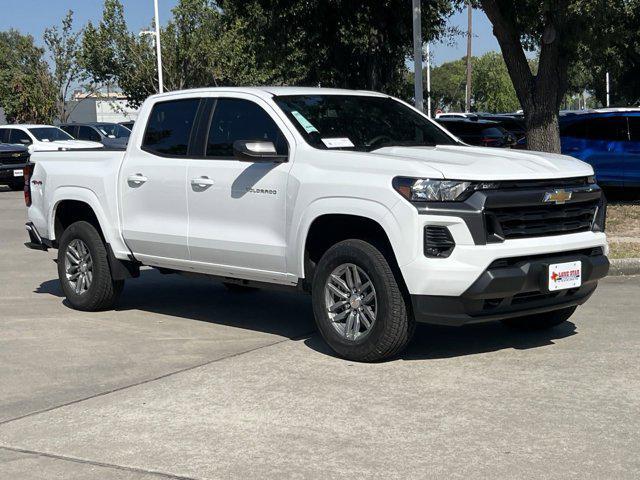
(624, 250)
(623, 219)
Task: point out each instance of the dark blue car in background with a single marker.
(609, 141)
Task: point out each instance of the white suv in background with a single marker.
(42, 138)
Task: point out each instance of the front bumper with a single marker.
(513, 287)
(7, 175)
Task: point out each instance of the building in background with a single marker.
(100, 107)
(95, 107)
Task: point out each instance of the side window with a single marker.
(169, 127)
(88, 133)
(70, 129)
(576, 129)
(4, 135)
(236, 119)
(634, 128)
(18, 136)
(612, 129)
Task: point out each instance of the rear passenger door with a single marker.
(237, 209)
(632, 153)
(153, 198)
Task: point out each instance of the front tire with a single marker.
(83, 269)
(358, 305)
(540, 321)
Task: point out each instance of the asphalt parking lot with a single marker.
(185, 380)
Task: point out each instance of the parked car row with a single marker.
(18, 142)
(111, 135)
(607, 139)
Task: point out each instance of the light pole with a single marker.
(417, 54)
(158, 49)
(608, 91)
(428, 81)
(468, 89)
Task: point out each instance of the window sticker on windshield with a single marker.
(306, 124)
(337, 142)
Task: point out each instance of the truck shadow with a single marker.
(432, 342)
(290, 315)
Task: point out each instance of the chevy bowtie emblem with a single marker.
(557, 196)
(16, 154)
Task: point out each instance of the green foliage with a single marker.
(63, 45)
(27, 90)
(338, 43)
(201, 47)
(492, 90)
(448, 86)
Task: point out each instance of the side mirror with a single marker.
(257, 151)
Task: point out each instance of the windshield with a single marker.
(359, 123)
(113, 130)
(50, 134)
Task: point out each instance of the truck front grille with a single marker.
(541, 220)
(9, 159)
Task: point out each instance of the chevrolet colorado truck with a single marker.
(355, 197)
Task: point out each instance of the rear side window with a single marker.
(88, 133)
(169, 127)
(237, 119)
(611, 129)
(69, 129)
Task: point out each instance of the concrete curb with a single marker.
(624, 266)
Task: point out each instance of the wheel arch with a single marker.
(75, 204)
(331, 220)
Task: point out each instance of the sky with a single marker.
(33, 16)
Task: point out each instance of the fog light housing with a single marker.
(438, 242)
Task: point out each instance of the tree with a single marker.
(557, 29)
(201, 47)
(448, 86)
(492, 87)
(64, 46)
(27, 91)
(337, 43)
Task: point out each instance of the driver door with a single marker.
(237, 209)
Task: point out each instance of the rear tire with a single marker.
(540, 321)
(373, 323)
(83, 269)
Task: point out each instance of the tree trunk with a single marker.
(541, 122)
(540, 95)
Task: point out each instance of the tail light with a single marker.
(28, 171)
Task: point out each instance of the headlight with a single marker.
(427, 190)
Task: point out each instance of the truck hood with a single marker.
(482, 163)
(64, 144)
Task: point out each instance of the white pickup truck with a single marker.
(356, 197)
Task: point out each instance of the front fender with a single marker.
(370, 209)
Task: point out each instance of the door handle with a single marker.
(136, 180)
(202, 182)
